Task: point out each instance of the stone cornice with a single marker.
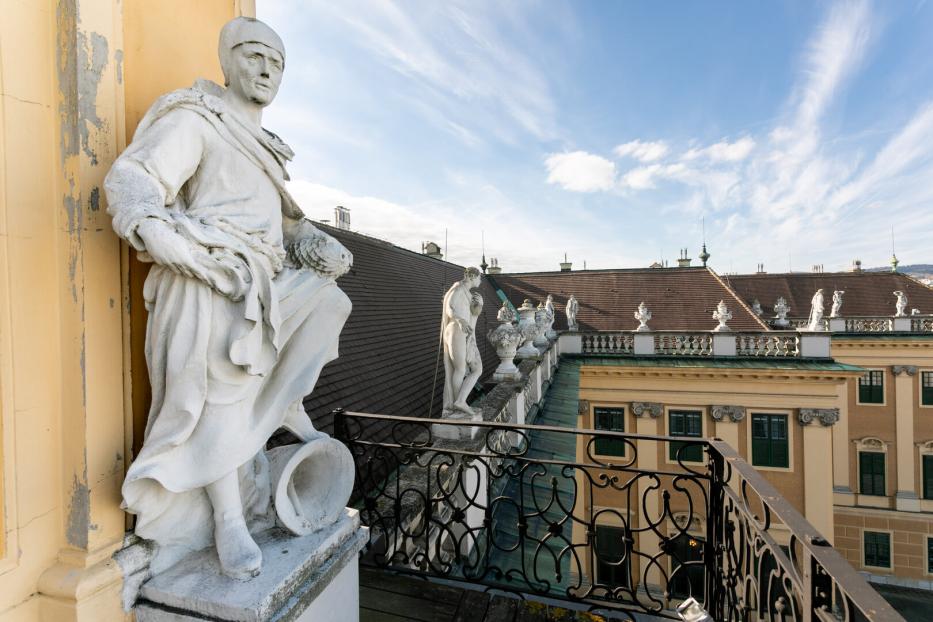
(719, 373)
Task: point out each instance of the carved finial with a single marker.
(722, 315)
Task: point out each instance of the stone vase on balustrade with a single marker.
(529, 330)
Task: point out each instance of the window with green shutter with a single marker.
(871, 473)
(612, 419)
(686, 423)
(611, 561)
(770, 445)
(930, 555)
(877, 549)
(928, 477)
(871, 387)
(926, 388)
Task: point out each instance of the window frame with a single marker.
(674, 446)
(627, 566)
(790, 439)
(920, 375)
(623, 413)
(882, 532)
(864, 452)
(884, 383)
(929, 543)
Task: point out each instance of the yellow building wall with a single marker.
(904, 426)
(767, 391)
(70, 93)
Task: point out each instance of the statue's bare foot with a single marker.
(240, 556)
(464, 408)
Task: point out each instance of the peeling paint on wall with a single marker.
(118, 60)
(93, 201)
(79, 514)
(93, 62)
(66, 17)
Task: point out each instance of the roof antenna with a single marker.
(894, 260)
(445, 243)
(483, 264)
(704, 254)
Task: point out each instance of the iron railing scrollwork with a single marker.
(621, 522)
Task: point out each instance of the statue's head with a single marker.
(472, 277)
(252, 57)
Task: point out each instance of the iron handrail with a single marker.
(446, 508)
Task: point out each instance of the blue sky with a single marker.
(801, 131)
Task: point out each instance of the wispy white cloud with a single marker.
(723, 151)
(794, 188)
(464, 222)
(642, 151)
(580, 171)
(459, 61)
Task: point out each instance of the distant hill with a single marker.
(920, 271)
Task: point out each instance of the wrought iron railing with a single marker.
(621, 522)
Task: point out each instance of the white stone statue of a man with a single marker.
(900, 307)
(573, 307)
(462, 362)
(551, 317)
(815, 321)
(837, 303)
(243, 306)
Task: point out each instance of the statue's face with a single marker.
(256, 72)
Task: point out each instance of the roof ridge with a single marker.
(735, 295)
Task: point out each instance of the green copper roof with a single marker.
(715, 362)
(545, 484)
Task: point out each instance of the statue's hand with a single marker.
(323, 254)
(167, 248)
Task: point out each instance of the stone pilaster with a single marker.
(906, 498)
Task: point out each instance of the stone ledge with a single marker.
(295, 571)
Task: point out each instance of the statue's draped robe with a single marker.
(224, 373)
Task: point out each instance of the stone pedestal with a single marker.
(312, 578)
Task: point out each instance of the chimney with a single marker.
(761, 269)
(494, 266)
(565, 265)
(342, 218)
(857, 265)
(683, 261)
(431, 250)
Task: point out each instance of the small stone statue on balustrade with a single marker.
(462, 362)
(901, 304)
(573, 307)
(541, 320)
(506, 315)
(837, 304)
(756, 307)
(722, 315)
(815, 321)
(551, 317)
(642, 315)
(781, 309)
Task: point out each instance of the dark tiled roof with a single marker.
(678, 298)
(866, 293)
(389, 345)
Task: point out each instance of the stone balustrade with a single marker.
(763, 344)
(768, 345)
